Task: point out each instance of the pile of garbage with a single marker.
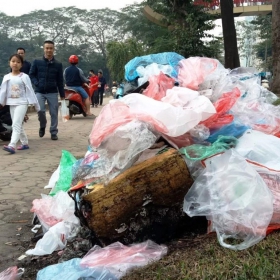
(224, 124)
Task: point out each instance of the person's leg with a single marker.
(96, 98)
(101, 97)
(85, 98)
(42, 113)
(17, 113)
(52, 99)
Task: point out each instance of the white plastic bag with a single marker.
(231, 194)
(64, 111)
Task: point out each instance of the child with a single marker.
(16, 91)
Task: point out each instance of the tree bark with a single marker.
(160, 182)
(229, 34)
(276, 46)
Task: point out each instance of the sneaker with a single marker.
(23, 147)
(9, 149)
(42, 131)
(54, 137)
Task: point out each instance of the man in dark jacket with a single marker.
(101, 86)
(47, 77)
(26, 64)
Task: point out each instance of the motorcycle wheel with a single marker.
(5, 137)
(70, 115)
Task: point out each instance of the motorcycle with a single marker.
(5, 124)
(75, 102)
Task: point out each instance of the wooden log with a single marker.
(161, 182)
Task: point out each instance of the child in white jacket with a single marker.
(17, 92)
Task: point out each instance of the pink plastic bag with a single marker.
(223, 105)
(114, 115)
(9, 274)
(158, 84)
(119, 258)
(194, 70)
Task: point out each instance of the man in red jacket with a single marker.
(94, 88)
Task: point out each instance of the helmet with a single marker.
(73, 59)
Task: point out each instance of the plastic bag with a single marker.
(260, 148)
(51, 210)
(235, 129)
(117, 152)
(71, 270)
(194, 70)
(154, 69)
(158, 85)
(200, 152)
(119, 259)
(55, 238)
(53, 179)
(64, 111)
(165, 58)
(65, 173)
(231, 194)
(223, 105)
(176, 119)
(12, 273)
(115, 114)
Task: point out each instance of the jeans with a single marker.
(17, 114)
(52, 100)
(81, 91)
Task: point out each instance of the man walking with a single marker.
(47, 77)
(101, 86)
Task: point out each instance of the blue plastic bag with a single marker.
(165, 58)
(71, 270)
(234, 129)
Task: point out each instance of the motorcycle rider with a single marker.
(75, 78)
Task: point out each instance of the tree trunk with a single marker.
(229, 34)
(158, 183)
(276, 46)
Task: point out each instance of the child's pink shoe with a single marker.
(23, 147)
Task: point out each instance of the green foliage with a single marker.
(119, 53)
(263, 46)
(188, 26)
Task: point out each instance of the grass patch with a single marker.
(204, 258)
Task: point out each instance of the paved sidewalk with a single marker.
(25, 173)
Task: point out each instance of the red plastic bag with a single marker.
(222, 106)
(158, 84)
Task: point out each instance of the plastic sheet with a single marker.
(158, 85)
(165, 58)
(71, 270)
(117, 152)
(194, 70)
(260, 148)
(231, 194)
(119, 259)
(200, 152)
(222, 106)
(154, 69)
(65, 173)
(235, 129)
